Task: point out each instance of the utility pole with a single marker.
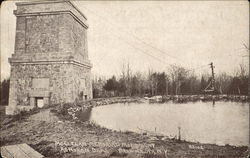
(211, 86)
(213, 80)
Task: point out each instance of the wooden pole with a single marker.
(179, 136)
(213, 80)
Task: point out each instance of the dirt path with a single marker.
(44, 115)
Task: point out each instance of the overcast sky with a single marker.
(154, 35)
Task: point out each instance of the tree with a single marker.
(98, 90)
(161, 83)
(239, 83)
(203, 84)
(4, 88)
(111, 85)
(222, 83)
(135, 86)
(158, 83)
(122, 86)
(178, 75)
(235, 86)
(125, 80)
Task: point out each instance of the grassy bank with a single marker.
(54, 132)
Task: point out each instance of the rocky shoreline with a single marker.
(194, 98)
(62, 135)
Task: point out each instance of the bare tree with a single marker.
(223, 82)
(178, 75)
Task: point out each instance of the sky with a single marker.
(154, 35)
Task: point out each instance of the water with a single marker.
(222, 123)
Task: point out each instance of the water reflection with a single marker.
(225, 123)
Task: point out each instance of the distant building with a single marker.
(50, 64)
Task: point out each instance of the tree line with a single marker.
(176, 81)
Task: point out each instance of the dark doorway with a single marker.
(39, 102)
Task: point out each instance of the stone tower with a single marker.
(50, 64)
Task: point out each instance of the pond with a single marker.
(221, 124)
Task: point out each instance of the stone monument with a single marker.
(50, 63)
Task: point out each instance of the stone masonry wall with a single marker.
(46, 37)
(75, 40)
(82, 82)
(42, 34)
(65, 81)
(51, 58)
(50, 37)
(59, 81)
